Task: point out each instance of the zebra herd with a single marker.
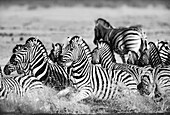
(145, 68)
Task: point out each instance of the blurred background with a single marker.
(54, 20)
(33, 4)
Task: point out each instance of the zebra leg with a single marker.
(79, 96)
(163, 108)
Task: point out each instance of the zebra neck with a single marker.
(106, 60)
(80, 73)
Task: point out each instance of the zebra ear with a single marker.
(98, 44)
(69, 39)
(80, 39)
(53, 46)
(62, 45)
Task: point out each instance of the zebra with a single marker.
(90, 80)
(157, 84)
(121, 40)
(103, 55)
(164, 52)
(33, 59)
(141, 61)
(150, 56)
(154, 56)
(55, 53)
(18, 85)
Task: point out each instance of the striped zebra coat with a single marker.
(18, 85)
(121, 40)
(88, 79)
(103, 55)
(157, 83)
(164, 52)
(55, 53)
(32, 59)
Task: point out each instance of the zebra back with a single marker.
(80, 41)
(132, 58)
(122, 40)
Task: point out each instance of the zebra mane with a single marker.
(163, 43)
(83, 44)
(17, 48)
(87, 49)
(104, 23)
(105, 42)
(32, 42)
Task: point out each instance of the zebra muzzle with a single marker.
(7, 70)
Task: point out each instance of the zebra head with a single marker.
(76, 49)
(135, 59)
(55, 53)
(95, 56)
(101, 30)
(28, 55)
(144, 58)
(132, 58)
(71, 51)
(146, 86)
(103, 54)
(17, 61)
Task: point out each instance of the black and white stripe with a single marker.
(154, 56)
(157, 83)
(18, 85)
(164, 52)
(88, 79)
(103, 56)
(32, 59)
(55, 53)
(123, 39)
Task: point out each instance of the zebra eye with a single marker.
(25, 48)
(71, 49)
(166, 47)
(14, 63)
